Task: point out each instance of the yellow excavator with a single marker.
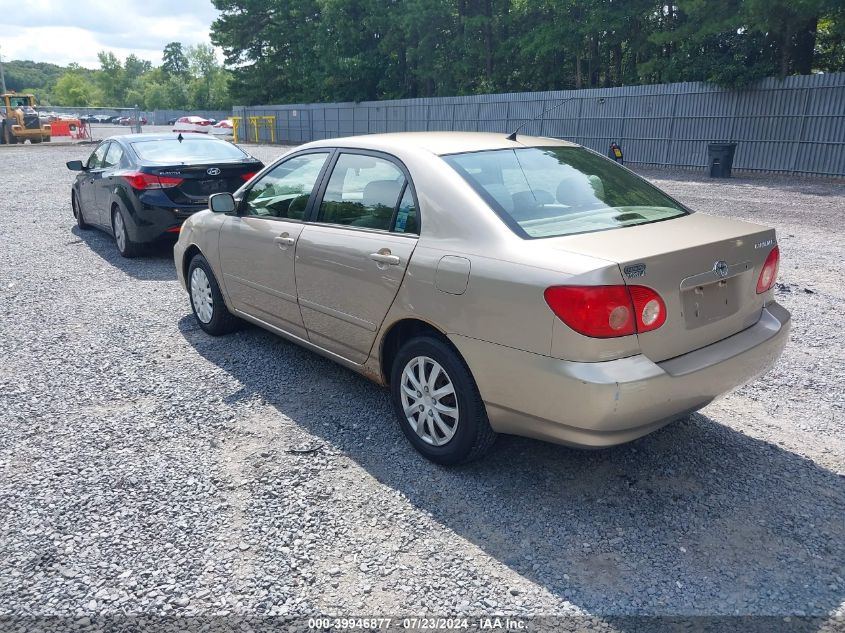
(19, 120)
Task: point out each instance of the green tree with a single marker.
(111, 79)
(72, 89)
(174, 61)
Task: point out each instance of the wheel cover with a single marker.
(119, 231)
(429, 400)
(201, 297)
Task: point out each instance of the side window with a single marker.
(362, 191)
(406, 216)
(95, 161)
(113, 156)
(283, 192)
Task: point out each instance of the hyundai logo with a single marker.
(721, 268)
(213, 171)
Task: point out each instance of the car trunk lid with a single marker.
(198, 182)
(705, 268)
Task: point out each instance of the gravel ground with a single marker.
(146, 468)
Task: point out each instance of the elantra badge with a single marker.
(721, 268)
(213, 171)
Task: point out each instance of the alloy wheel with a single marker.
(119, 231)
(429, 400)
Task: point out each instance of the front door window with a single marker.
(285, 190)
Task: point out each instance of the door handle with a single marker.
(384, 257)
(284, 240)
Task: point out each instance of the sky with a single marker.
(65, 31)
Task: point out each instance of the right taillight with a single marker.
(607, 311)
(769, 274)
(649, 308)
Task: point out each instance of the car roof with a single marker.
(441, 143)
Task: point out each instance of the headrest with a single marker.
(381, 193)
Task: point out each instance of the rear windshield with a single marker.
(554, 191)
(189, 150)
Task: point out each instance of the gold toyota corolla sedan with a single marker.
(525, 286)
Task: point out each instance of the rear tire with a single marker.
(437, 403)
(207, 303)
(125, 246)
(77, 213)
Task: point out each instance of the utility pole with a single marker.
(2, 77)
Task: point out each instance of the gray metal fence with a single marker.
(795, 125)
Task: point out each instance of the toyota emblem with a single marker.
(721, 268)
(213, 171)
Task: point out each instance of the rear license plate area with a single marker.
(207, 187)
(710, 302)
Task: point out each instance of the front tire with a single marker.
(437, 403)
(207, 303)
(8, 136)
(125, 246)
(77, 213)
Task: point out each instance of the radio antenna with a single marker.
(512, 135)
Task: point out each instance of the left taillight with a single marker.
(142, 182)
(769, 274)
(607, 311)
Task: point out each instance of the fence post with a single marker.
(671, 128)
(797, 142)
(578, 121)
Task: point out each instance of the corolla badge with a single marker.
(634, 270)
(213, 171)
(721, 268)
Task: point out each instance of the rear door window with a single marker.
(363, 191)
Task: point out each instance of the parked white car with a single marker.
(223, 129)
(192, 124)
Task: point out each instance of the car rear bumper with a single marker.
(612, 402)
(150, 223)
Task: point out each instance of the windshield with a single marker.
(554, 191)
(190, 150)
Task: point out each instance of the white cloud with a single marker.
(64, 32)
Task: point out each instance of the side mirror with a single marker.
(222, 203)
(75, 165)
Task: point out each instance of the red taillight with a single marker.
(649, 308)
(607, 311)
(248, 176)
(769, 274)
(597, 311)
(142, 181)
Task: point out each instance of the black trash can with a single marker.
(720, 157)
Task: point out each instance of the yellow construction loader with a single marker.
(19, 120)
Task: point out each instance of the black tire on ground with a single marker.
(222, 321)
(34, 140)
(8, 137)
(473, 437)
(77, 213)
(125, 246)
(47, 139)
